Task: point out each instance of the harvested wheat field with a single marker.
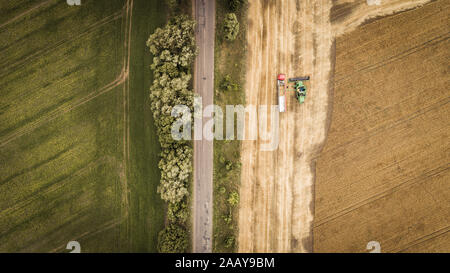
(384, 172)
(296, 38)
(276, 209)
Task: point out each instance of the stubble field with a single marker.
(389, 74)
(384, 172)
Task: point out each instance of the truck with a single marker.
(281, 91)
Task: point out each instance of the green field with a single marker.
(78, 149)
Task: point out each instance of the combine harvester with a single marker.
(299, 88)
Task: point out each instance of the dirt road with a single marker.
(277, 188)
(204, 13)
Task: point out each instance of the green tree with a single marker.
(225, 85)
(172, 239)
(233, 199)
(229, 165)
(229, 242)
(228, 85)
(171, 4)
(230, 26)
(177, 212)
(174, 43)
(228, 218)
(175, 166)
(235, 5)
(173, 49)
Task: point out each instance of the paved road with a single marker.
(204, 14)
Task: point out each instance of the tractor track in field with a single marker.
(359, 179)
(126, 105)
(398, 56)
(122, 78)
(277, 188)
(91, 29)
(276, 213)
(404, 185)
(106, 226)
(25, 13)
(414, 115)
(62, 110)
(23, 203)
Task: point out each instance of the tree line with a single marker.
(173, 49)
